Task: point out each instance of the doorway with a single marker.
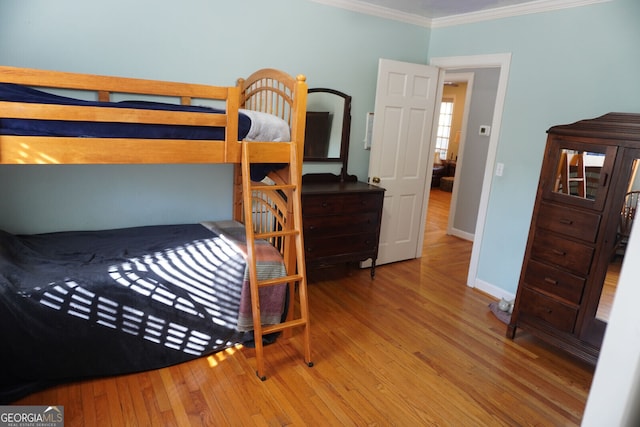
(457, 89)
(457, 64)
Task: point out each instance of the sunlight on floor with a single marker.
(215, 359)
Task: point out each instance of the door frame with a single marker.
(503, 62)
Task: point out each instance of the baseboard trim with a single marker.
(492, 290)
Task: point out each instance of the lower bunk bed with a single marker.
(82, 304)
(77, 305)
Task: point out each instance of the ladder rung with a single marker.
(282, 326)
(280, 280)
(273, 187)
(280, 233)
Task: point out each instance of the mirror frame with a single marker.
(345, 134)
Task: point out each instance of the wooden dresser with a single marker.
(341, 222)
(589, 168)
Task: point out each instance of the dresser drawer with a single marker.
(558, 251)
(341, 203)
(338, 225)
(542, 307)
(554, 281)
(570, 222)
(363, 202)
(340, 246)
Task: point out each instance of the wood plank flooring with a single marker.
(415, 346)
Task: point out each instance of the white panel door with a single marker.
(405, 110)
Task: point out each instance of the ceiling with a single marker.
(432, 9)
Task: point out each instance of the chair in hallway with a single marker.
(627, 215)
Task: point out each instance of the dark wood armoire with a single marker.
(583, 211)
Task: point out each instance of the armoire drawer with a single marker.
(338, 225)
(554, 281)
(547, 309)
(570, 222)
(558, 251)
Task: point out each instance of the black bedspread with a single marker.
(105, 303)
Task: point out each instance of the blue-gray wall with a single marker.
(476, 147)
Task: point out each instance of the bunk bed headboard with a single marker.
(276, 92)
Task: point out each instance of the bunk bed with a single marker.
(93, 303)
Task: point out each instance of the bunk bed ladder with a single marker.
(291, 234)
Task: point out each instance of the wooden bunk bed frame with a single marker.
(270, 212)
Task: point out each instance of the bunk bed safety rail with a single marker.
(21, 149)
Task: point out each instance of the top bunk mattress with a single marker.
(252, 125)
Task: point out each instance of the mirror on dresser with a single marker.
(341, 216)
(327, 134)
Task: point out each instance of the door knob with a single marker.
(375, 180)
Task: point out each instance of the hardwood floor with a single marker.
(415, 346)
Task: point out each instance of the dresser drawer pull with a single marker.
(550, 281)
(558, 252)
(566, 221)
(312, 227)
(324, 204)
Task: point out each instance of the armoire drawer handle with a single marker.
(558, 252)
(324, 204)
(550, 280)
(566, 221)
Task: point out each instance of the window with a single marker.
(444, 128)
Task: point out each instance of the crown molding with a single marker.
(531, 7)
(379, 11)
(528, 8)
